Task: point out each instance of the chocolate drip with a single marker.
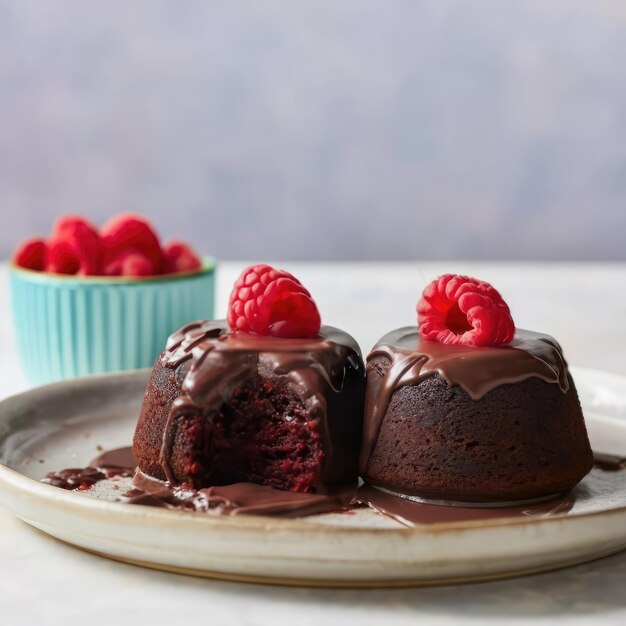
(235, 499)
(609, 462)
(79, 478)
(410, 359)
(117, 459)
(118, 462)
(220, 360)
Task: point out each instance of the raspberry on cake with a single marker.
(462, 310)
(466, 407)
(272, 398)
(265, 301)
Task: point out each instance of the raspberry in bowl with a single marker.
(89, 300)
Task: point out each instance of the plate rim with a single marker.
(375, 583)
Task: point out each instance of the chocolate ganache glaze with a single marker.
(209, 362)
(477, 370)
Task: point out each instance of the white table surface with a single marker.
(45, 582)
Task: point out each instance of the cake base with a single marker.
(519, 441)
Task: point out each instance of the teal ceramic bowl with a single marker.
(69, 326)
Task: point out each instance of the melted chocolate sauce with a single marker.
(609, 462)
(411, 513)
(252, 499)
(118, 462)
(476, 370)
(79, 478)
(119, 458)
(235, 499)
(220, 360)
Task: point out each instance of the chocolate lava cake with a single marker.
(479, 411)
(463, 423)
(225, 407)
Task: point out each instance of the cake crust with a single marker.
(439, 426)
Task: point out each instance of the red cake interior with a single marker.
(262, 434)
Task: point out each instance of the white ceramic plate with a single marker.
(62, 425)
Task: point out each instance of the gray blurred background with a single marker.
(352, 129)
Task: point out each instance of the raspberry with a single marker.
(69, 224)
(75, 247)
(129, 263)
(180, 257)
(131, 232)
(464, 311)
(265, 301)
(32, 254)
